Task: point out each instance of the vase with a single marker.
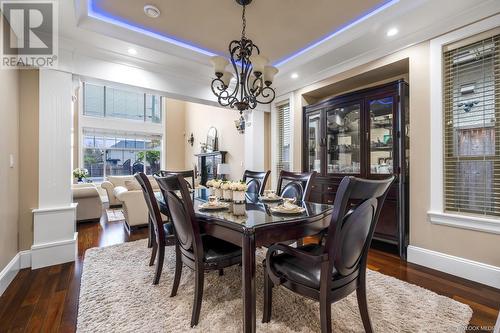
(227, 195)
(238, 196)
(218, 193)
(239, 209)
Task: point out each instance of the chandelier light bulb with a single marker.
(219, 64)
(269, 73)
(226, 78)
(259, 62)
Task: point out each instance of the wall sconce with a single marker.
(240, 125)
(191, 140)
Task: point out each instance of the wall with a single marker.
(176, 137)
(267, 144)
(28, 154)
(9, 127)
(199, 118)
(453, 241)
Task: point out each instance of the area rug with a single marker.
(114, 215)
(117, 295)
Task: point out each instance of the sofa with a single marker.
(109, 185)
(89, 207)
(127, 192)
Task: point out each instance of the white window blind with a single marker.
(284, 139)
(472, 134)
(108, 102)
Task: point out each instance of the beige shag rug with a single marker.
(117, 295)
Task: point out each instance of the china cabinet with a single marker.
(364, 134)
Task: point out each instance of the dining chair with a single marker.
(188, 175)
(330, 272)
(256, 181)
(295, 185)
(162, 233)
(199, 252)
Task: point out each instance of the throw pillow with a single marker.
(132, 185)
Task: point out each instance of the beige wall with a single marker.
(28, 155)
(267, 145)
(473, 245)
(176, 139)
(199, 118)
(9, 127)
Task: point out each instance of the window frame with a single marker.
(436, 213)
(117, 124)
(280, 100)
(145, 94)
(99, 133)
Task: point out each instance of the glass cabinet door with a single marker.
(343, 139)
(313, 137)
(381, 140)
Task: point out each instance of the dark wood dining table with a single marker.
(257, 227)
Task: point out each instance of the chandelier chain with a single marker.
(243, 18)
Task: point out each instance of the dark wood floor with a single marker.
(46, 299)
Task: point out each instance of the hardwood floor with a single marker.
(46, 299)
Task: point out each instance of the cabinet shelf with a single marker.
(389, 148)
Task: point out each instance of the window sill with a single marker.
(477, 223)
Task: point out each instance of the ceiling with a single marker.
(280, 28)
(94, 45)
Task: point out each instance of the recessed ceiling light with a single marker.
(151, 11)
(392, 32)
(294, 76)
(132, 51)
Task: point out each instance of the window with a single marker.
(284, 139)
(103, 101)
(471, 132)
(93, 100)
(119, 153)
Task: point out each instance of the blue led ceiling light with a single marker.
(97, 13)
(384, 5)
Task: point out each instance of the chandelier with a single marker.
(251, 71)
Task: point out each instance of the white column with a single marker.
(254, 142)
(54, 227)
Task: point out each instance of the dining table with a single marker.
(253, 224)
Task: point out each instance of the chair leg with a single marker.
(153, 254)
(159, 264)
(325, 315)
(221, 272)
(268, 298)
(198, 296)
(178, 271)
(150, 233)
(363, 306)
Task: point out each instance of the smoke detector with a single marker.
(151, 11)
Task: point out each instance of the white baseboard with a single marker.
(40, 255)
(464, 268)
(9, 273)
(24, 259)
(21, 260)
(54, 253)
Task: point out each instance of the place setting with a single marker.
(288, 207)
(213, 203)
(270, 196)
